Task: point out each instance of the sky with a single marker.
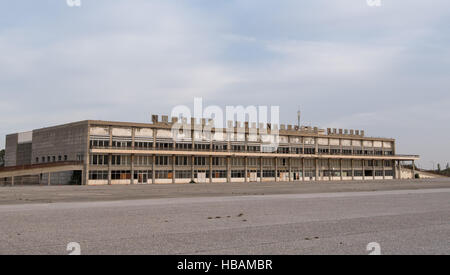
(344, 63)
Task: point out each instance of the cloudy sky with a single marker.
(346, 64)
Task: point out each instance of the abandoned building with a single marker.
(102, 153)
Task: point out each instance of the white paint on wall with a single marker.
(25, 137)
(322, 141)
(163, 133)
(334, 141)
(356, 142)
(143, 132)
(368, 143)
(121, 132)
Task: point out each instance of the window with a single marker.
(59, 158)
(161, 174)
(310, 151)
(120, 175)
(183, 174)
(162, 160)
(65, 157)
(202, 147)
(335, 151)
(99, 143)
(218, 161)
(238, 148)
(164, 145)
(237, 174)
(37, 160)
(219, 174)
(98, 175)
(253, 148)
(200, 161)
(220, 147)
(184, 146)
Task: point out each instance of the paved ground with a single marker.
(51, 194)
(401, 221)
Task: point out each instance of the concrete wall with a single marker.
(24, 153)
(11, 150)
(70, 140)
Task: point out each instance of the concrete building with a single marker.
(102, 152)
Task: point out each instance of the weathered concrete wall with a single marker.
(11, 150)
(66, 140)
(60, 178)
(23, 156)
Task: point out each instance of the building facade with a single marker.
(154, 153)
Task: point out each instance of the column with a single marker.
(210, 169)
(394, 169)
(246, 169)
(384, 169)
(330, 176)
(303, 169)
(276, 169)
(317, 168)
(228, 169)
(49, 176)
(261, 169)
(353, 169)
(399, 170)
(174, 159)
(12, 181)
(109, 168)
(363, 169)
(153, 168)
(132, 168)
(192, 168)
(340, 168)
(413, 170)
(373, 169)
(85, 175)
(290, 169)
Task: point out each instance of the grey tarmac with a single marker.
(401, 221)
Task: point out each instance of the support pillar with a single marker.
(317, 168)
(192, 168)
(276, 169)
(363, 169)
(394, 169)
(399, 170)
(341, 170)
(303, 169)
(49, 179)
(290, 169)
(353, 169)
(174, 159)
(413, 170)
(109, 168)
(246, 169)
(261, 170)
(384, 169)
(132, 169)
(12, 181)
(210, 169)
(330, 174)
(228, 169)
(153, 169)
(373, 169)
